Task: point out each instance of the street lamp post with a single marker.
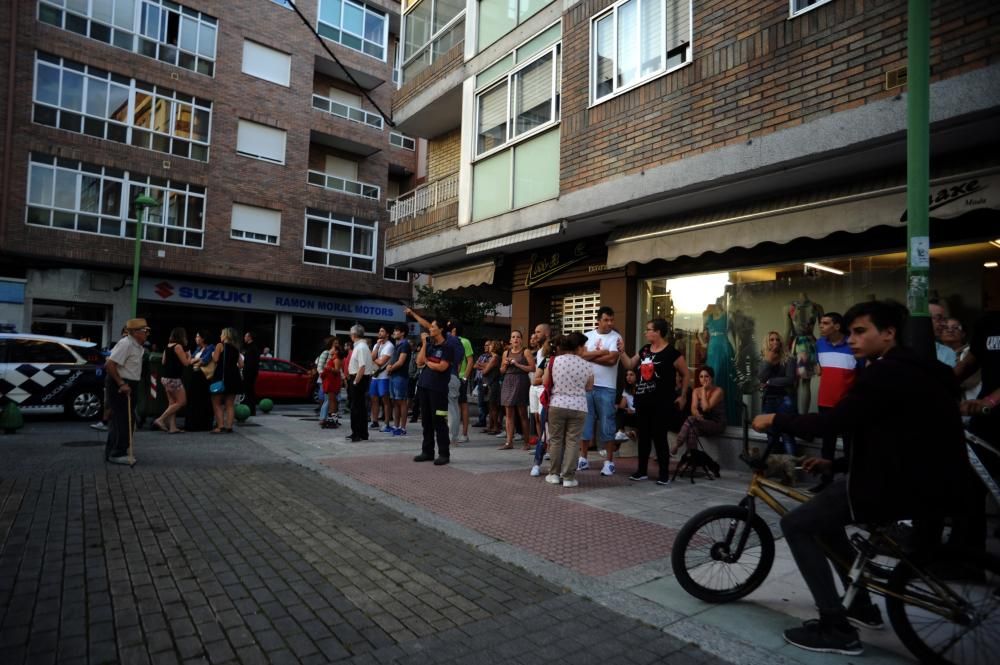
(142, 203)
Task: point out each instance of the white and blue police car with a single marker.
(43, 374)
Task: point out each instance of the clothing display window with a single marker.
(722, 320)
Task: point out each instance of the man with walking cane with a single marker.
(124, 369)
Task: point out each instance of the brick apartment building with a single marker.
(268, 156)
(735, 168)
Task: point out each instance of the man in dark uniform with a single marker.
(124, 369)
(251, 365)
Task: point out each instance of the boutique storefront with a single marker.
(727, 280)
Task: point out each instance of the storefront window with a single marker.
(723, 319)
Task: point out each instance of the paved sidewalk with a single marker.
(286, 543)
(608, 539)
(216, 550)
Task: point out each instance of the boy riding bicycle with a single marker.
(907, 461)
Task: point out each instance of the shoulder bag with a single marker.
(546, 395)
(218, 387)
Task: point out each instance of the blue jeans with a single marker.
(779, 404)
(542, 439)
(600, 411)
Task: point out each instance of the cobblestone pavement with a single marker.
(215, 550)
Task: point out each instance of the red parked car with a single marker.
(284, 380)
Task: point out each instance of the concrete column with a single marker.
(283, 336)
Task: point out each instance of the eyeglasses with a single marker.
(953, 328)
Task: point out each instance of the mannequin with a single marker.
(802, 315)
(719, 354)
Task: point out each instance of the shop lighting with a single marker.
(991, 264)
(995, 243)
(820, 266)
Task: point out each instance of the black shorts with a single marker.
(463, 392)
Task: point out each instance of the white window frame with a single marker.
(155, 221)
(594, 99)
(432, 39)
(254, 155)
(555, 50)
(101, 76)
(401, 141)
(286, 82)
(133, 38)
(253, 236)
(793, 12)
(353, 223)
(365, 9)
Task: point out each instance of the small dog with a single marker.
(696, 459)
(780, 466)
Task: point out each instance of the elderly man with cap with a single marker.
(124, 369)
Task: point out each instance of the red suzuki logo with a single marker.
(164, 290)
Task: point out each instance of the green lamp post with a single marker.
(142, 203)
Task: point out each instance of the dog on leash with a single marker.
(780, 466)
(695, 459)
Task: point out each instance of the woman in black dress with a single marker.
(227, 370)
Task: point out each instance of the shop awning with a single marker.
(481, 273)
(816, 214)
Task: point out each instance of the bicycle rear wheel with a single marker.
(702, 555)
(964, 628)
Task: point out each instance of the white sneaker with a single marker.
(461, 439)
(547, 456)
(582, 464)
(120, 460)
(501, 434)
(609, 469)
(536, 471)
(620, 435)
(553, 478)
(99, 426)
(602, 452)
(571, 483)
(518, 437)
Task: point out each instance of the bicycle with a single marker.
(944, 611)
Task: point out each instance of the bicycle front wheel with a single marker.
(959, 625)
(704, 554)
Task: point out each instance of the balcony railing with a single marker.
(425, 197)
(347, 112)
(338, 184)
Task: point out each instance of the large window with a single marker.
(430, 29)
(635, 41)
(76, 196)
(266, 63)
(723, 319)
(522, 103)
(160, 29)
(92, 101)
(339, 241)
(355, 26)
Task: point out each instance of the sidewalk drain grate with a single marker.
(83, 444)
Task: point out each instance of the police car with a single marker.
(51, 374)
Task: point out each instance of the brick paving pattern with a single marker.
(212, 550)
(524, 511)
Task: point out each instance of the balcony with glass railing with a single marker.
(346, 112)
(344, 185)
(425, 198)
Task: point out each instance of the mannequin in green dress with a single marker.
(719, 355)
(802, 315)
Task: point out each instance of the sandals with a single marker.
(160, 426)
(216, 431)
(506, 446)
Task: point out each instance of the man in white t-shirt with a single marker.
(378, 391)
(123, 369)
(602, 352)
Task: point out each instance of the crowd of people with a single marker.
(898, 414)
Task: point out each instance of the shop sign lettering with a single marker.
(544, 266)
(954, 199)
(266, 300)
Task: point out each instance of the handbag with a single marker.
(546, 394)
(217, 387)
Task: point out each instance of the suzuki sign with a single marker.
(210, 295)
